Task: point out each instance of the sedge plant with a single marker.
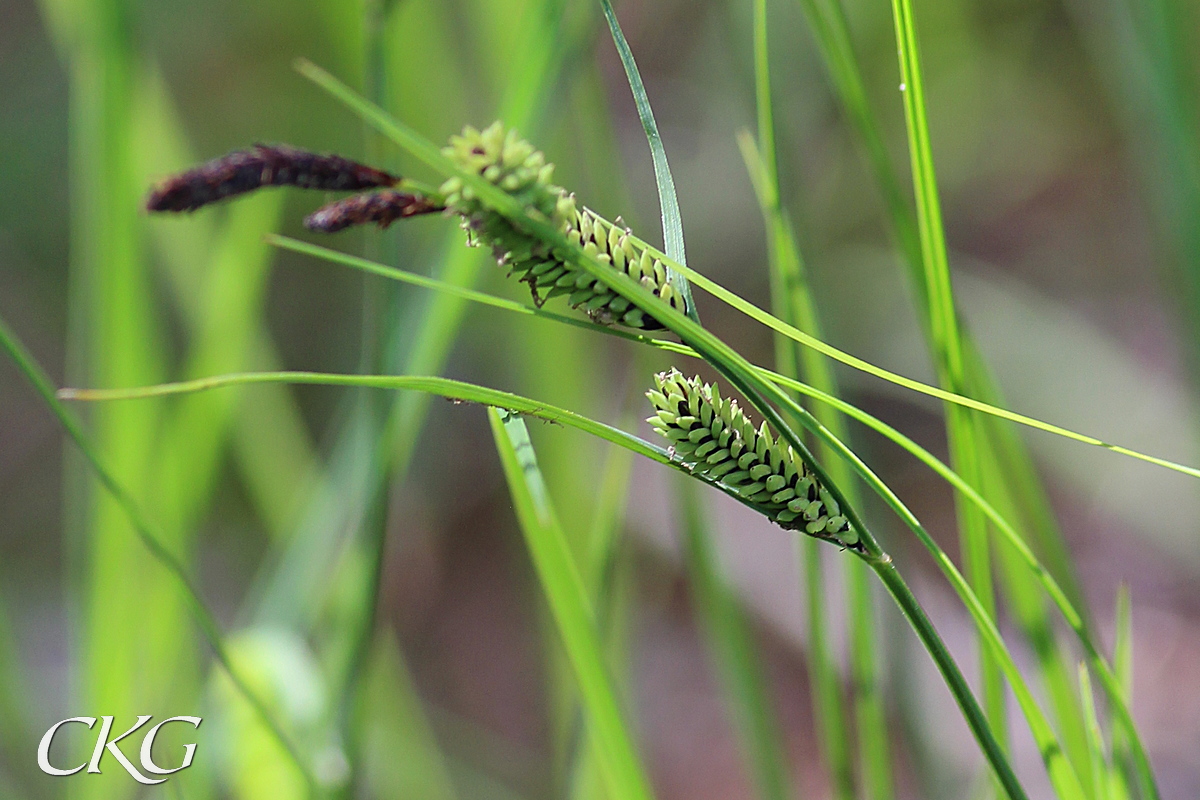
(500, 189)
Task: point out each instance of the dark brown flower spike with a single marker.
(383, 207)
(263, 165)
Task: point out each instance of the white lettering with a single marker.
(103, 742)
(189, 750)
(43, 754)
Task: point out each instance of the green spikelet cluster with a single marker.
(715, 438)
(512, 164)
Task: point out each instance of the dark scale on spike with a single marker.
(383, 207)
(263, 165)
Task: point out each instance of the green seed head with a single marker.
(502, 158)
(713, 437)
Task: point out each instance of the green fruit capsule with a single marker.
(597, 302)
(618, 258)
(633, 318)
(750, 489)
(721, 469)
(666, 418)
(718, 456)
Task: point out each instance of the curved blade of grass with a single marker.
(428, 153)
(1060, 598)
(793, 301)
(145, 533)
(567, 597)
(457, 390)
(1030, 609)
(672, 219)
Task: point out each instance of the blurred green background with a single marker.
(1064, 135)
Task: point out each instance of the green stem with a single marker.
(971, 711)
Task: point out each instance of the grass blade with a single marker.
(401, 732)
(790, 331)
(1095, 738)
(567, 597)
(962, 429)
(1001, 449)
(214, 294)
(727, 629)
(672, 219)
(148, 537)
(792, 301)
(1125, 774)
